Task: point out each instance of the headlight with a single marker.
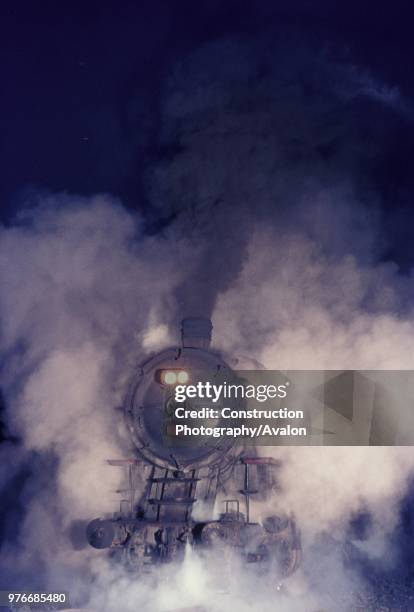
(169, 377)
(172, 376)
(183, 377)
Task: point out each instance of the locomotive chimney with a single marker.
(196, 332)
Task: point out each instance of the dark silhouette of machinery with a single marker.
(175, 483)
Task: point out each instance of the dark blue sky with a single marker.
(81, 85)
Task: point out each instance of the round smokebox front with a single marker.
(151, 409)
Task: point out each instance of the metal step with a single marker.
(172, 480)
(179, 501)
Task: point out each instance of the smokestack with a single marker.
(196, 332)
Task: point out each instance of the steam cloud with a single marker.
(276, 234)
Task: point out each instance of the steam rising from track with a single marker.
(275, 234)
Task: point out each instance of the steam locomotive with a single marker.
(174, 485)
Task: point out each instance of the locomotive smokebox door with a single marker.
(151, 404)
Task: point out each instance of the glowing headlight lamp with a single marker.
(172, 376)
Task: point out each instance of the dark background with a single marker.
(81, 86)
